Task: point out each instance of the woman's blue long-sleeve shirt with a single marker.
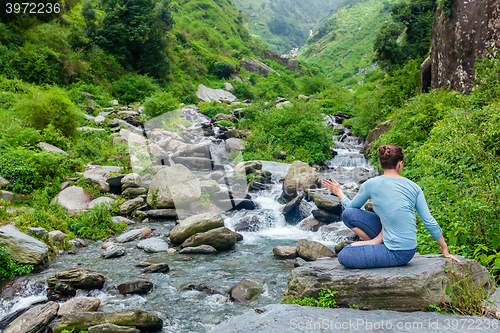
(394, 201)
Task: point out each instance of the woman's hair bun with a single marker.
(384, 152)
(390, 155)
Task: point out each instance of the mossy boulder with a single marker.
(195, 224)
(22, 248)
(222, 239)
(143, 321)
(311, 250)
(300, 177)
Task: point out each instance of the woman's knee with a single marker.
(348, 216)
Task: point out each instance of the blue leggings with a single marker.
(369, 256)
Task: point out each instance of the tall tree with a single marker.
(134, 31)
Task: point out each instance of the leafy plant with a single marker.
(9, 268)
(204, 200)
(159, 103)
(96, 224)
(299, 133)
(223, 70)
(134, 88)
(467, 298)
(51, 106)
(326, 299)
(226, 123)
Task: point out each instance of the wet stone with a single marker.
(113, 252)
(139, 286)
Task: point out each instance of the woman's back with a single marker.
(394, 201)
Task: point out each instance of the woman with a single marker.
(390, 234)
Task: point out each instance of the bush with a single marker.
(9, 268)
(18, 167)
(43, 214)
(28, 170)
(226, 123)
(161, 102)
(134, 88)
(243, 90)
(96, 224)
(298, 131)
(51, 106)
(212, 109)
(222, 70)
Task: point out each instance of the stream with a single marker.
(190, 310)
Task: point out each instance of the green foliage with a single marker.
(467, 298)
(326, 299)
(445, 6)
(243, 90)
(417, 18)
(226, 123)
(212, 109)
(204, 200)
(21, 173)
(49, 107)
(43, 214)
(96, 224)
(388, 50)
(99, 95)
(134, 88)
(9, 268)
(134, 32)
(160, 103)
(373, 102)
(223, 70)
(297, 130)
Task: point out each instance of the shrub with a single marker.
(297, 130)
(51, 106)
(222, 70)
(161, 102)
(9, 268)
(100, 95)
(243, 90)
(96, 224)
(134, 88)
(211, 109)
(226, 123)
(18, 167)
(43, 214)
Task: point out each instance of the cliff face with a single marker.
(463, 33)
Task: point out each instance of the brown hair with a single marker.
(390, 155)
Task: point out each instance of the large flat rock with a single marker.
(284, 318)
(411, 287)
(23, 248)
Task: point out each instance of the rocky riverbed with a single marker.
(189, 266)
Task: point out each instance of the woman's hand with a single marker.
(334, 187)
(447, 254)
(444, 249)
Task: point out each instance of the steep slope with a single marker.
(284, 24)
(343, 44)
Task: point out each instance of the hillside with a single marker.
(284, 24)
(343, 44)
